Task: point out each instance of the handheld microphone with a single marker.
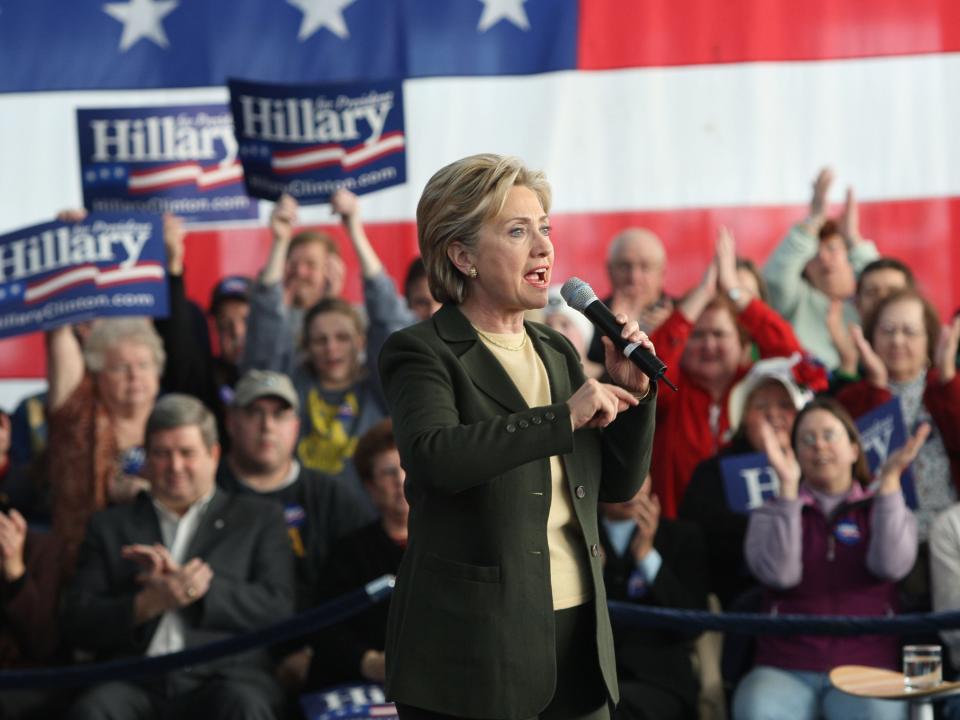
(580, 296)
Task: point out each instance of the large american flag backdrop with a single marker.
(677, 115)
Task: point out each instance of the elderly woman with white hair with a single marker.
(98, 402)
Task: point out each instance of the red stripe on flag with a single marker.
(919, 232)
(651, 33)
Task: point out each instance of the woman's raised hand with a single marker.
(725, 257)
(783, 462)
(893, 468)
(874, 369)
(946, 355)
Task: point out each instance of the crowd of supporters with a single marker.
(159, 496)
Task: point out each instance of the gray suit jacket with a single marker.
(471, 629)
(242, 538)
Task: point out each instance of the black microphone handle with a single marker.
(650, 364)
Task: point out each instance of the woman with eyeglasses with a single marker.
(100, 395)
(906, 355)
(826, 546)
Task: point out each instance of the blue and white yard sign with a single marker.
(59, 273)
(177, 159)
(748, 481)
(310, 140)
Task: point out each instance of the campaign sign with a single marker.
(347, 702)
(59, 273)
(310, 140)
(882, 431)
(180, 159)
(748, 481)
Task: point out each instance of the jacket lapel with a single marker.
(211, 526)
(555, 362)
(145, 526)
(484, 369)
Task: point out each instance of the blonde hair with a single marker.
(110, 331)
(456, 202)
(310, 237)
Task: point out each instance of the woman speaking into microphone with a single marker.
(499, 610)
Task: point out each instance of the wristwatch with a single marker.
(735, 294)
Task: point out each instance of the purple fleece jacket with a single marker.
(844, 564)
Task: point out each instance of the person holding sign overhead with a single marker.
(99, 399)
(826, 546)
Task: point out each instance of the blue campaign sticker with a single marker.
(295, 515)
(748, 481)
(180, 159)
(847, 532)
(60, 273)
(133, 459)
(310, 140)
(882, 432)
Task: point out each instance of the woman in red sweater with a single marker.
(702, 343)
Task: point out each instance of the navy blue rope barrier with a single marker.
(767, 624)
(334, 611)
(310, 621)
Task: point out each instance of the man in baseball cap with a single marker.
(263, 424)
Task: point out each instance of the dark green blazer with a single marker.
(471, 628)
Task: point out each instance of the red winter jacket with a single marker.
(683, 437)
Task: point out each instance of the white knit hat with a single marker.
(779, 369)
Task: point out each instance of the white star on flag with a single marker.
(141, 19)
(496, 10)
(319, 14)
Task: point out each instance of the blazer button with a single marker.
(595, 550)
(536, 420)
(523, 424)
(581, 493)
(550, 416)
(511, 427)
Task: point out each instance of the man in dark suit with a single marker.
(184, 565)
(657, 562)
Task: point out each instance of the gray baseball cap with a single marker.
(265, 383)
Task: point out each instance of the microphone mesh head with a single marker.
(577, 293)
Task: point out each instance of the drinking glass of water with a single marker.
(922, 666)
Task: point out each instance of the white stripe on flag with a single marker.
(640, 139)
